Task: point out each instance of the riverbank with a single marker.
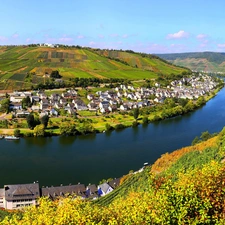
(92, 122)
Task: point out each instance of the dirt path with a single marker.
(6, 131)
(2, 116)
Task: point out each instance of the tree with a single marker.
(189, 106)
(68, 129)
(135, 123)
(17, 132)
(195, 141)
(31, 121)
(55, 74)
(205, 135)
(86, 127)
(39, 131)
(26, 102)
(44, 120)
(108, 127)
(4, 105)
(200, 101)
(136, 113)
(145, 120)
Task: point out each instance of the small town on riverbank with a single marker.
(123, 100)
(16, 196)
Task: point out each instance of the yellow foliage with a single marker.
(167, 159)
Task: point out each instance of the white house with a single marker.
(104, 189)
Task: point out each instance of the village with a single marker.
(121, 98)
(16, 196)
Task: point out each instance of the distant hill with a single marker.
(199, 61)
(23, 66)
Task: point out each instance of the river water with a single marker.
(91, 158)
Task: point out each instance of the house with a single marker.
(131, 96)
(15, 105)
(104, 104)
(22, 114)
(104, 189)
(35, 107)
(57, 105)
(118, 89)
(44, 104)
(55, 97)
(112, 108)
(70, 110)
(35, 99)
(120, 94)
(114, 183)
(92, 106)
(79, 105)
(2, 198)
(63, 101)
(16, 98)
(72, 92)
(124, 107)
(140, 104)
(90, 96)
(53, 112)
(91, 191)
(63, 191)
(43, 113)
(42, 95)
(158, 100)
(20, 195)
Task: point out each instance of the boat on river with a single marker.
(11, 138)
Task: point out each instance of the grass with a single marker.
(16, 62)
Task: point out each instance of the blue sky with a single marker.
(151, 26)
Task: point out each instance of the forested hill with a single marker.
(23, 66)
(183, 187)
(200, 61)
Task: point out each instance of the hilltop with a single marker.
(184, 187)
(22, 67)
(198, 61)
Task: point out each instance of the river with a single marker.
(91, 158)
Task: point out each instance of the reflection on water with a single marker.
(65, 140)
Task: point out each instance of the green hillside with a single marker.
(183, 187)
(23, 66)
(198, 61)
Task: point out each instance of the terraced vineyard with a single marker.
(23, 66)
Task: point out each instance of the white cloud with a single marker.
(65, 39)
(221, 45)
(2, 38)
(92, 43)
(114, 35)
(201, 36)
(15, 35)
(101, 36)
(180, 34)
(80, 36)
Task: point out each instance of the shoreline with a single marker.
(115, 121)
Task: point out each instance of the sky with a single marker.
(149, 26)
